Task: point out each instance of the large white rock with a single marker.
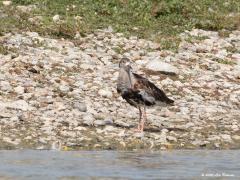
(159, 66)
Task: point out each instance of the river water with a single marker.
(184, 164)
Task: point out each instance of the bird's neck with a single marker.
(125, 78)
(130, 77)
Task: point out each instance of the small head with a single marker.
(124, 62)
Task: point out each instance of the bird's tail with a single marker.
(166, 102)
(169, 101)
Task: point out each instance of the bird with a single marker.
(139, 92)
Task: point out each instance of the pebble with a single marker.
(99, 123)
(5, 86)
(235, 127)
(226, 137)
(108, 121)
(19, 89)
(139, 134)
(80, 106)
(64, 88)
(121, 123)
(11, 141)
(6, 3)
(105, 93)
(56, 18)
(18, 105)
(236, 137)
(88, 120)
(26, 9)
(171, 138)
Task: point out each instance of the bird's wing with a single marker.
(149, 91)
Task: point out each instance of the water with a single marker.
(30, 164)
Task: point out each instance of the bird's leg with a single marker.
(140, 120)
(145, 113)
(144, 119)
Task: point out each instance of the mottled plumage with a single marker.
(139, 91)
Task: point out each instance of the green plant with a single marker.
(158, 20)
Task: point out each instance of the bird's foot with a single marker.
(139, 129)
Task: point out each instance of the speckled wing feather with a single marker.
(149, 91)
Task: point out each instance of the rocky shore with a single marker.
(61, 94)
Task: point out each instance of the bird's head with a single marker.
(125, 62)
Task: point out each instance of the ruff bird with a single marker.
(139, 91)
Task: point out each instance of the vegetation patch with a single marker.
(224, 61)
(159, 20)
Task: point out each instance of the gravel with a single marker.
(54, 90)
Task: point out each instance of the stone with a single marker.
(56, 145)
(188, 125)
(235, 127)
(11, 141)
(158, 65)
(105, 93)
(26, 9)
(178, 84)
(226, 137)
(163, 138)
(56, 18)
(236, 137)
(88, 120)
(34, 35)
(214, 138)
(236, 56)
(5, 86)
(80, 128)
(138, 134)
(14, 119)
(7, 3)
(19, 89)
(18, 105)
(60, 106)
(171, 138)
(80, 106)
(108, 121)
(99, 123)
(64, 88)
(5, 115)
(36, 19)
(122, 123)
(200, 143)
(110, 128)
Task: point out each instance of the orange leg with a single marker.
(139, 127)
(144, 119)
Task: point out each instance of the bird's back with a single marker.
(148, 89)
